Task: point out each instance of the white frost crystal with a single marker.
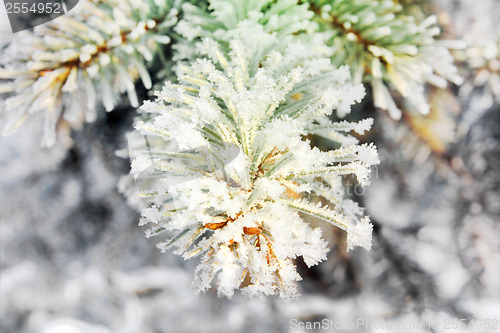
(360, 234)
(239, 187)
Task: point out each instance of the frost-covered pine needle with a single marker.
(232, 175)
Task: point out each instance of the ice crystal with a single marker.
(243, 178)
(92, 54)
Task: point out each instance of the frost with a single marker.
(360, 234)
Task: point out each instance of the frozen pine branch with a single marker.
(244, 216)
(388, 49)
(84, 59)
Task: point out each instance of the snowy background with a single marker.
(73, 259)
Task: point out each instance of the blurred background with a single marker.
(73, 259)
